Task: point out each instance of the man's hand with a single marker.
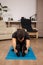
(26, 51)
(15, 51)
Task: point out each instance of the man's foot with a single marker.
(18, 54)
(23, 54)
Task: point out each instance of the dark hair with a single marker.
(20, 33)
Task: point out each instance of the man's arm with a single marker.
(14, 44)
(27, 45)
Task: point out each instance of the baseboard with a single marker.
(4, 39)
(35, 37)
(40, 37)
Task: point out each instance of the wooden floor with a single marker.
(37, 46)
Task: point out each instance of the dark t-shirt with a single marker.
(26, 35)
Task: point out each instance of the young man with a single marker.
(20, 42)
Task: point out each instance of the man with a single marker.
(20, 42)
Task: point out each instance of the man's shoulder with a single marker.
(27, 35)
(14, 34)
(26, 32)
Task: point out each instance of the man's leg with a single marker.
(18, 50)
(23, 50)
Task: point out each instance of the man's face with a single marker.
(21, 39)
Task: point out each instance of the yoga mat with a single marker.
(12, 56)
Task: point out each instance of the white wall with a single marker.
(20, 8)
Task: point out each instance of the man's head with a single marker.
(20, 34)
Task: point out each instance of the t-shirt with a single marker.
(26, 35)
